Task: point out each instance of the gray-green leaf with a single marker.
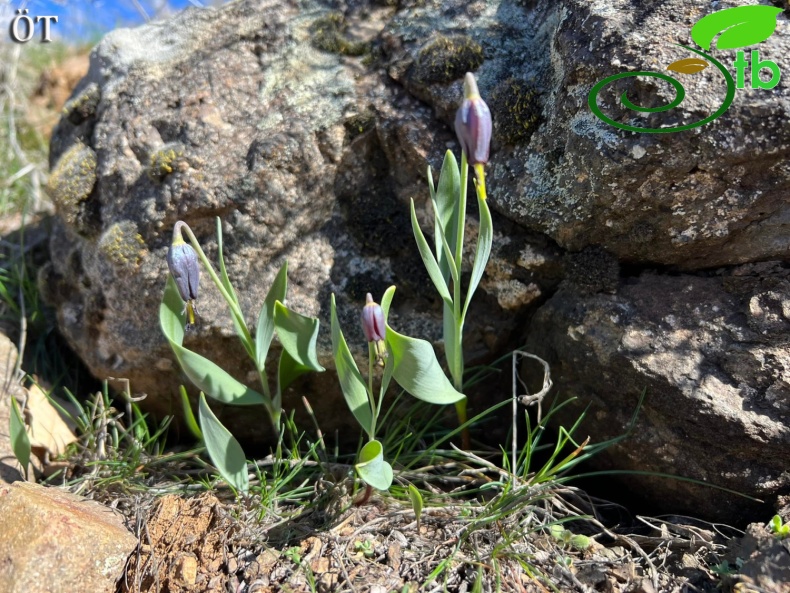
(298, 335)
(351, 381)
(416, 369)
(224, 450)
(265, 330)
(372, 468)
(203, 373)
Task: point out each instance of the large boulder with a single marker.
(252, 113)
(307, 130)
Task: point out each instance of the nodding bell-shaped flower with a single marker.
(182, 261)
(473, 128)
(374, 327)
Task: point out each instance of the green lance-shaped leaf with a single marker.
(386, 301)
(203, 373)
(416, 503)
(447, 208)
(20, 442)
(224, 450)
(223, 274)
(265, 330)
(416, 369)
(238, 322)
(429, 261)
(372, 468)
(189, 415)
(739, 27)
(485, 237)
(351, 381)
(298, 335)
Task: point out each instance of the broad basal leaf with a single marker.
(416, 369)
(224, 450)
(372, 468)
(298, 335)
(351, 381)
(205, 375)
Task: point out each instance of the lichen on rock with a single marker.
(71, 184)
(123, 245)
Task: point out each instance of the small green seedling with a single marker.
(568, 538)
(416, 503)
(778, 528)
(365, 547)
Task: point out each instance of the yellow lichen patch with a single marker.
(83, 105)
(515, 111)
(123, 245)
(164, 161)
(71, 182)
(328, 35)
(447, 58)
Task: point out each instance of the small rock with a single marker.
(50, 536)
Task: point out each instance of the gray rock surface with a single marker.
(711, 355)
(265, 114)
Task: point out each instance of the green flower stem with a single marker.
(371, 397)
(457, 365)
(249, 343)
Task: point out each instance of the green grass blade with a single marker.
(20, 442)
(189, 415)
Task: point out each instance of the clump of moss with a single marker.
(360, 123)
(447, 58)
(123, 245)
(515, 111)
(79, 108)
(592, 270)
(329, 35)
(164, 161)
(71, 183)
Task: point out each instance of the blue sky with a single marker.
(88, 20)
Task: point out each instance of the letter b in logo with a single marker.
(757, 66)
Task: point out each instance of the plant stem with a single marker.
(457, 366)
(235, 311)
(371, 397)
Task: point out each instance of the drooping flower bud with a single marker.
(373, 320)
(473, 123)
(182, 261)
(374, 327)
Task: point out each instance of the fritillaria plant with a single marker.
(410, 362)
(177, 314)
(448, 198)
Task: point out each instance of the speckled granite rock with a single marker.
(712, 355)
(263, 113)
